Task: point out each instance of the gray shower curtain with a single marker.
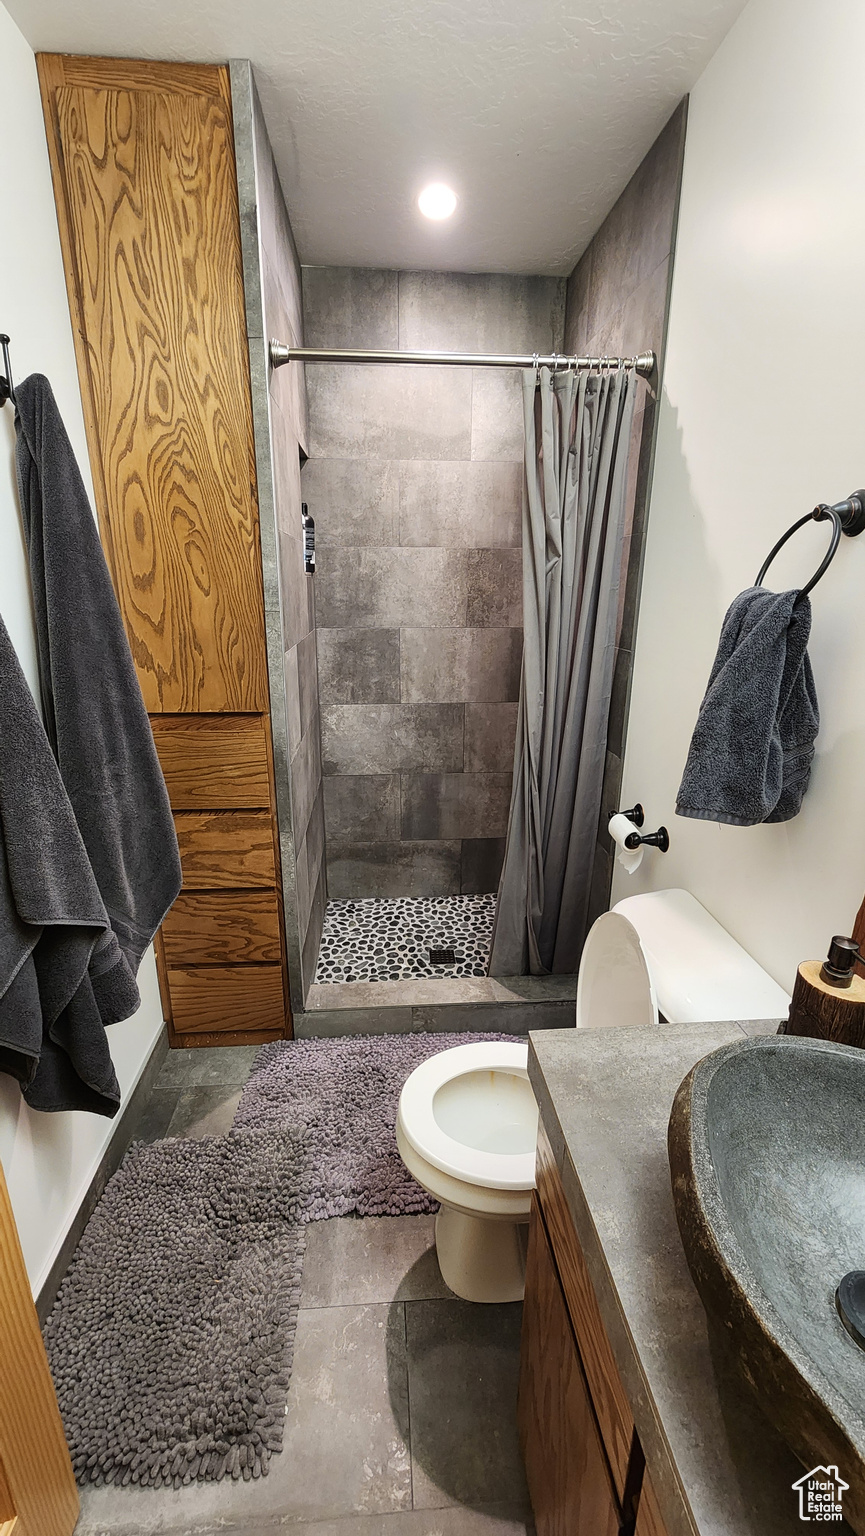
(578, 433)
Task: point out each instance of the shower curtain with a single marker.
(578, 432)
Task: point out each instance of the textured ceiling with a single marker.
(535, 111)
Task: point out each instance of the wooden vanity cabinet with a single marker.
(142, 157)
(584, 1463)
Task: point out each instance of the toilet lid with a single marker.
(615, 985)
(470, 1074)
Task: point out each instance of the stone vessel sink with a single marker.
(767, 1154)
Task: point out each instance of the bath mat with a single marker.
(339, 1099)
(171, 1338)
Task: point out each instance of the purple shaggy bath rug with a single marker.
(338, 1099)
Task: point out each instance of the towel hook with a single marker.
(846, 517)
(6, 390)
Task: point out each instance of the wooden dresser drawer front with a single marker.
(225, 850)
(226, 997)
(213, 762)
(608, 1395)
(222, 928)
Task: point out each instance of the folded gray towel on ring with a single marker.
(753, 744)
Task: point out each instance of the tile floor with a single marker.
(390, 940)
(400, 1418)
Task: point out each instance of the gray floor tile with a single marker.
(204, 1111)
(351, 1261)
(463, 1364)
(156, 1114)
(457, 1520)
(175, 1068)
(220, 1065)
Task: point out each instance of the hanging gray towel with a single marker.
(52, 919)
(93, 710)
(753, 744)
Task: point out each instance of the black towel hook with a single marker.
(846, 516)
(6, 390)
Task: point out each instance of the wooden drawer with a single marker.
(605, 1384)
(222, 928)
(225, 850)
(213, 762)
(226, 997)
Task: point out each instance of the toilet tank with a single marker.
(700, 973)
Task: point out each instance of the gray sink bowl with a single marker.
(767, 1154)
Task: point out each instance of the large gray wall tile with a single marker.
(350, 307)
(392, 738)
(353, 501)
(455, 804)
(490, 735)
(451, 665)
(312, 936)
(389, 588)
(481, 865)
(362, 808)
(494, 582)
(498, 430)
(358, 666)
(387, 412)
(393, 869)
(305, 779)
(480, 312)
(460, 505)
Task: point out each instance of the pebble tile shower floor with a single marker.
(401, 1408)
(389, 940)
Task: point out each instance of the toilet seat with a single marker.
(426, 1126)
(615, 985)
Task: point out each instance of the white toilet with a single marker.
(467, 1121)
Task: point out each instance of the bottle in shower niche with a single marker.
(308, 524)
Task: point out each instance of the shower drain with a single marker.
(442, 957)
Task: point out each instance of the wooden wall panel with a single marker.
(149, 204)
(226, 850)
(214, 762)
(229, 997)
(37, 1473)
(222, 928)
(650, 1521)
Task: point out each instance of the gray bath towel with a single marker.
(93, 710)
(753, 745)
(52, 918)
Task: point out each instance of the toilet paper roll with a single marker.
(619, 827)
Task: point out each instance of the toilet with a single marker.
(467, 1121)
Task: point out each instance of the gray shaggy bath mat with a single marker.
(339, 1099)
(171, 1339)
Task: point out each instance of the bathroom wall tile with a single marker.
(455, 805)
(287, 384)
(450, 665)
(350, 307)
(372, 412)
(619, 700)
(392, 738)
(460, 505)
(490, 735)
(275, 230)
(305, 772)
(286, 470)
(353, 1262)
(393, 869)
(577, 306)
(481, 865)
(302, 890)
(498, 431)
(307, 679)
(389, 588)
(312, 937)
(494, 580)
(358, 666)
(354, 501)
(336, 1023)
(510, 1018)
(360, 808)
(463, 1369)
(314, 841)
(296, 589)
(292, 701)
(480, 312)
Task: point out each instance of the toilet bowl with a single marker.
(466, 1129)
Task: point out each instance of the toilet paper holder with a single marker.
(659, 839)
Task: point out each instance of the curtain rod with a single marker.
(644, 364)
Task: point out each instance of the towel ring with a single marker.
(846, 516)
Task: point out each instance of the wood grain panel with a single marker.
(608, 1395)
(214, 762)
(236, 998)
(565, 1464)
(226, 850)
(222, 928)
(40, 1487)
(134, 74)
(650, 1521)
(150, 204)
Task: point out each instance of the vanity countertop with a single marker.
(718, 1466)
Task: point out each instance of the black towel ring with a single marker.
(847, 517)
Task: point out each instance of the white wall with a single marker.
(763, 415)
(48, 1160)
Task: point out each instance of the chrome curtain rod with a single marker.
(644, 364)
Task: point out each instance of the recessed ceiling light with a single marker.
(437, 201)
